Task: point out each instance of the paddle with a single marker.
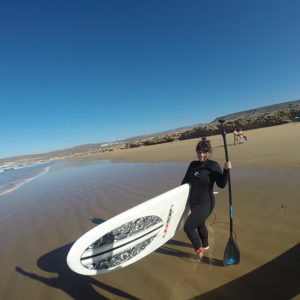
(232, 252)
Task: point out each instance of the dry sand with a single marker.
(276, 146)
(265, 181)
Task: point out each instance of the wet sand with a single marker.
(40, 221)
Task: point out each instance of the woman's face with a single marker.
(202, 156)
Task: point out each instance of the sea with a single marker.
(14, 176)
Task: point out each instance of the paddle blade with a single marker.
(232, 253)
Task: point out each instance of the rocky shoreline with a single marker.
(247, 122)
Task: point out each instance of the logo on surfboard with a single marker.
(168, 220)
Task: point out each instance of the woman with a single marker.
(202, 175)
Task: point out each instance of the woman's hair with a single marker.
(204, 146)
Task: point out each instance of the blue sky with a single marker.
(79, 72)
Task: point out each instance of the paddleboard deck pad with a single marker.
(131, 235)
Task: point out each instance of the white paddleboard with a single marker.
(131, 235)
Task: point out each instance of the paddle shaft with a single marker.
(229, 181)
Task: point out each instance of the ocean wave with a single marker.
(21, 166)
(12, 185)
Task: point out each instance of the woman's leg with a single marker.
(190, 226)
(203, 233)
(197, 219)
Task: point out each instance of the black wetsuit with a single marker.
(202, 176)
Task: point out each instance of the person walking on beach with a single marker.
(202, 174)
(241, 136)
(235, 136)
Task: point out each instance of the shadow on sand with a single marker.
(77, 286)
(97, 221)
(181, 254)
(278, 279)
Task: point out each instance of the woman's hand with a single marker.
(227, 165)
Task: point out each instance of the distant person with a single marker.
(235, 136)
(202, 174)
(241, 136)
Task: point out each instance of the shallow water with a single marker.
(67, 180)
(14, 176)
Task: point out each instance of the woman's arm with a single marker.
(221, 177)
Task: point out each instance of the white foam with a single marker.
(18, 183)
